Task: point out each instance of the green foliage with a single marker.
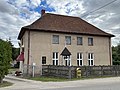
(15, 52)
(116, 55)
(5, 58)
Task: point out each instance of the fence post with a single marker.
(115, 70)
(102, 71)
(69, 72)
(48, 69)
(86, 71)
(57, 74)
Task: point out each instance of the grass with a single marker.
(5, 84)
(49, 79)
(12, 70)
(56, 79)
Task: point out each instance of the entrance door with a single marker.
(67, 60)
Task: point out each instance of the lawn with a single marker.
(49, 79)
(12, 70)
(54, 79)
(57, 79)
(5, 84)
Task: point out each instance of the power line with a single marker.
(99, 8)
(94, 10)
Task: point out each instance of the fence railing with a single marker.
(86, 71)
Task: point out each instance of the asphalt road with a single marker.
(91, 84)
(104, 86)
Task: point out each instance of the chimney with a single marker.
(42, 12)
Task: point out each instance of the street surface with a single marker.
(109, 86)
(90, 84)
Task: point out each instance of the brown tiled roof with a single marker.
(63, 24)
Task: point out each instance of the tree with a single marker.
(15, 52)
(118, 52)
(5, 58)
(116, 55)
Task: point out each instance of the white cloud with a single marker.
(11, 21)
(36, 2)
(20, 3)
(66, 7)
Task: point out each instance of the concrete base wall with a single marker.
(28, 71)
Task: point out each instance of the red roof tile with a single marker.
(63, 24)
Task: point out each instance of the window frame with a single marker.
(66, 40)
(80, 42)
(80, 59)
(91, 59)
(54, 37)
(44, 60)
(90, 41)
(55, 58)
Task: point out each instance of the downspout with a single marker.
(110, 51)
(28, 52)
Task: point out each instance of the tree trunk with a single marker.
(1, 80)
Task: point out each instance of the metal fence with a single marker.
(86, 71)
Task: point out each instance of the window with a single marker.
(79, 59)
(90, 41)
(55, 39)
(44, 60)
(90, 59)
(55, 58)
(79, 41)
(68, 40)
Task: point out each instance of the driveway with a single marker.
(91, 84)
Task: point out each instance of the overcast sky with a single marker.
(15, 14)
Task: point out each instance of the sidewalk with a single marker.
(15, 78)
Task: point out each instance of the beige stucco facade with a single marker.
(40, 44)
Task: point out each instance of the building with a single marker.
(64, 40)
